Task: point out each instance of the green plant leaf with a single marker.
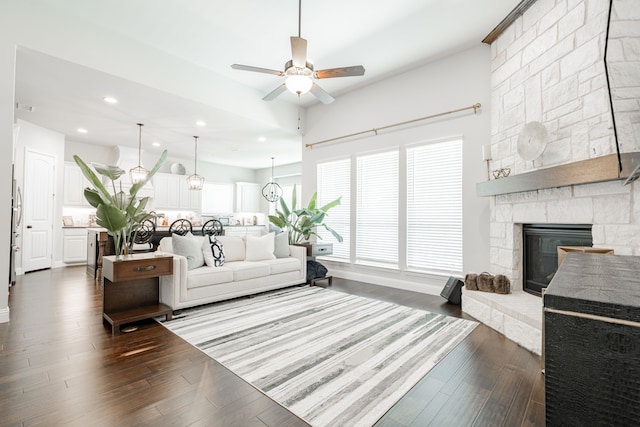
(93, 179)
(312, 202)
(111, 218)
(294, 198)
(335, 234)
(93, 197)
(277, 221)
(330, 205)
(111, 172)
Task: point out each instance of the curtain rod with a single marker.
(474, 107)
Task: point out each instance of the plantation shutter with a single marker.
(377, 209)
(434, 207)
(334, 180)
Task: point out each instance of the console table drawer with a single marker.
(136, 268)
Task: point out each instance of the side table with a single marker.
(131, 288)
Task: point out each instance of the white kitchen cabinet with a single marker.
(74, 245)
(247, 197)
(245, 230)
(172, 192)
(74, 184)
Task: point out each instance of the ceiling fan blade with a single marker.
(256, 69)
(321, 94)
(356, 70)
(274, 93)
(299, 52)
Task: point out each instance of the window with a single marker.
(217, 199)
(377, 209)
(334, 180)
(434, 206)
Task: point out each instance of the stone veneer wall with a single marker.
(549, 67)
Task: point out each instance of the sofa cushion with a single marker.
(233, 248)
(189, 247)
(165, 245)
(213, 252)
(244, 270)
(284, 265)
(259, 248)
(281, 245)
(206, 276)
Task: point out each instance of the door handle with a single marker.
(28, 226)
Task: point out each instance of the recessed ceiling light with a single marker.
(262, 139)
(82, 130)
(155, 144)
(201, 123)
(110, 100)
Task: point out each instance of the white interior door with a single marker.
(39, 184)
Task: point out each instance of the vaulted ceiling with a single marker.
(241, 129)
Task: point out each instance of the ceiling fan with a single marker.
(299, 73)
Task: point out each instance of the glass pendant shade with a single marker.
(298, 84)
(272, 191)
(195, 181)
(139, 173)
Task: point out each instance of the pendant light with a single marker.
(272, 191)
(139, 173)
(195, 181)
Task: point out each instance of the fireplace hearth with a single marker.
(540, 251)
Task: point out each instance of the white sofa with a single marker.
(243, 272)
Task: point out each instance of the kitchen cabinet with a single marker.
(74, 245)
(247, 197)
(172, 192)
(73, 186)
(246, 230)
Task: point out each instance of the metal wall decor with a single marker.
(272, 191)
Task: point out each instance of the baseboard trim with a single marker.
(4, 315)
(428, 286)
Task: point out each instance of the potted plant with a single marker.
(301, 223)
(118, 212)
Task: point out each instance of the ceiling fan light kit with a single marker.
(298, 72)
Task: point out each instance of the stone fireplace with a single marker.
(540, 244)
(549, 67)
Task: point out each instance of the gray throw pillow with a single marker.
(281, 246)
(189, 247)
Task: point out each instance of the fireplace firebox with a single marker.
(540, 251)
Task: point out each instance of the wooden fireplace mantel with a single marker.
(599, 169)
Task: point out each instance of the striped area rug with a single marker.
(331, 358)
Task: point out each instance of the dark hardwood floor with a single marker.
(59, 365)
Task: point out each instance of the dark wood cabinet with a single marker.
(131, 288)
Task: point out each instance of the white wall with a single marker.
(458, 81)
(42, 140)
(7, 105)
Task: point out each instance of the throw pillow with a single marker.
(189, 247)
(213, 252)
(281, 245)
(260, 248)
(233, 248)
